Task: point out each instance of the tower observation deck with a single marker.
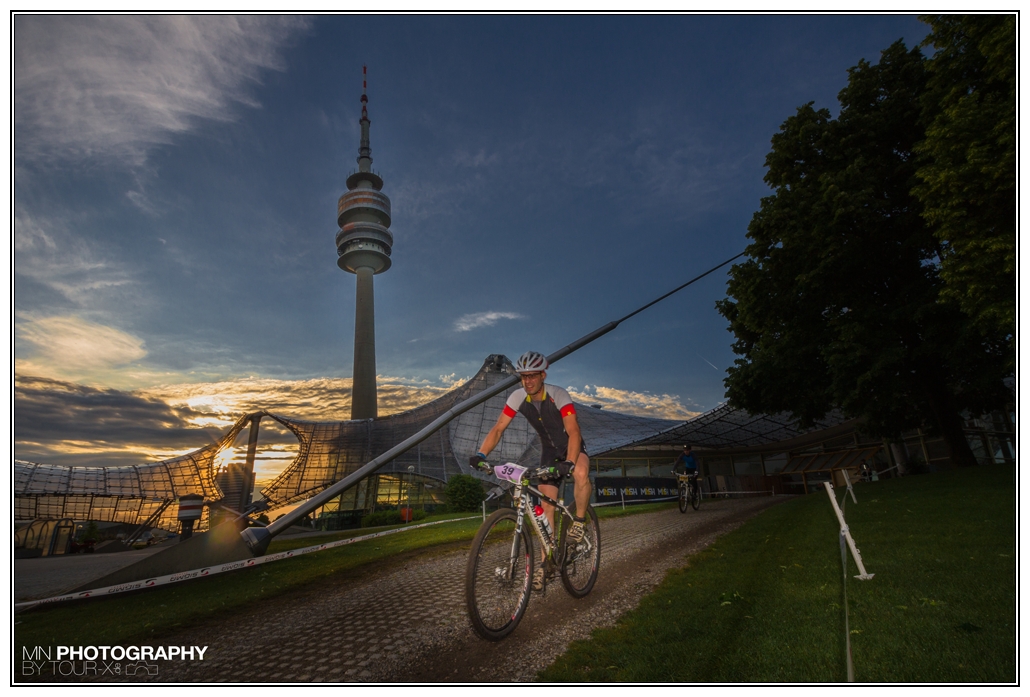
(364, 244)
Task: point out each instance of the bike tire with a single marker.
(684, 498)
(695, 498)
(498, 575)
(579, 563)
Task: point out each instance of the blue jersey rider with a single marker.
(689, 463)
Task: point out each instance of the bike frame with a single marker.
(521, 501)
(691, 479)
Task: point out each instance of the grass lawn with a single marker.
(765, 603)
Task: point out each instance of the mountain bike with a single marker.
(500, 563)
(689, 492)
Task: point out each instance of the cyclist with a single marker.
(550, 411)
(689, 462)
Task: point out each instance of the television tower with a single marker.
(364, 244)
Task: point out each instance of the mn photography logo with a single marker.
(103, 661)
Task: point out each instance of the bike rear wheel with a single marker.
(684, 497)
(497, 576)
(580, 561)
(695, 497)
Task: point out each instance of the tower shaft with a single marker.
(364, 397)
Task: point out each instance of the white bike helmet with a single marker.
(531, 362)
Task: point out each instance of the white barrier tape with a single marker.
(221, 568)
(707, 495)
(612, 503)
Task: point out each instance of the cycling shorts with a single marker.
(550, 456)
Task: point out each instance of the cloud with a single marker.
(61, 422)
(47, 253)
(483, 319)
(662, 406)
(69, 345)
(317, 399)
(463, 158)
(115, 86)
(98, 426)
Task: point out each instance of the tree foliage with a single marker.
(968, 168)
(464, 493)
(838, 302)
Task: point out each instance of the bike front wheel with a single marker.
(497, 576)
(581, 560)
(684, 498)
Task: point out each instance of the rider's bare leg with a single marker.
(581, 477)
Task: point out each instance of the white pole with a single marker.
(847, 629)
(484, 511)
(863, 575)
(847, 478)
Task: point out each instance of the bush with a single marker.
(388, 518)
(464, 494)
(90, 533)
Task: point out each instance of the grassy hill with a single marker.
(766, 602)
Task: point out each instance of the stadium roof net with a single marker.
(329, 451)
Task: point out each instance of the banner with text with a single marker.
(609, 489)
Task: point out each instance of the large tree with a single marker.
(838, 304)
(968, 164)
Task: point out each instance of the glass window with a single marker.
(388, 491)
(718, 466)
(748, 465)
(608, 468)
(775, 462)
(637, 468)
(662, 466)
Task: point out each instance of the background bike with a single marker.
(501, 561)
(689, 492)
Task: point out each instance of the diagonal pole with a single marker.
(257, 539)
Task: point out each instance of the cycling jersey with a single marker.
(689, 463)
(547, 418)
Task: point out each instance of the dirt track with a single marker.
(406, 622)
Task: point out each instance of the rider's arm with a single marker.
(494, 436)
(571, 424)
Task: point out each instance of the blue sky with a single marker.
(176, 183)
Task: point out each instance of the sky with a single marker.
(175, 188)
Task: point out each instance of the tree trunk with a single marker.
(949, 423)
(900, 454)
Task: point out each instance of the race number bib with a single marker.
(509, 472)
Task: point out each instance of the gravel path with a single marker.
(407, 622)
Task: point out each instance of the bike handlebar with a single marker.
(535, 473)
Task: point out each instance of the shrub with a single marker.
(464, 494)
(388, 518)
(90, 532)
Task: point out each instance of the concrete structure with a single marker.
(364, 244)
